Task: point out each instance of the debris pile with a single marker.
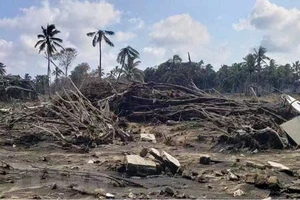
(70, 118)
(245, 124)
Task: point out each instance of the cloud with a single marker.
(5, 49)
(280, 26)
(137, 22)
(179, 30)
(180, 34)
(73, 18)
(155, 51)
(124, 36)
(220, 17)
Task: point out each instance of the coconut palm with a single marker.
(124, 55)
(260, 57)
(57, 73)
(2, 69)
(249, 63)
(48, 43)
(131, 72)
(97, 38)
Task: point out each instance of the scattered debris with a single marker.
(144, 152)
(292, 128)
(170, 191)
(137, 165)
(109, 196)
(172, 163)
(255, 165)
(277, 165)
(148, 137)
(238, 193)
(131, 195)
(231, 176)
(250, 178)
(293, 102)
(205, 160)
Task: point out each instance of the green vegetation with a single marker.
(255, 70)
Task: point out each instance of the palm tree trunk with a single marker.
(66, 74)
(48, 76)
(99, 68)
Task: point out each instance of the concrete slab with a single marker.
(292, 128)
(148, 137)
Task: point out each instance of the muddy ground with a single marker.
(37, 167)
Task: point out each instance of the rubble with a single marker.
(109, 196)
(292, 128)
(255, 165)
(205, 160)
(170, 191)
(238, 193)
(277, 165)
(137, 165)
(172, 163)
(148, 137)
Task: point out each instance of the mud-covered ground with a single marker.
(40, 168)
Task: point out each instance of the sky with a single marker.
(215, 31)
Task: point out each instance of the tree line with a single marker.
(256, 70)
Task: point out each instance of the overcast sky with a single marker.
(217, 31)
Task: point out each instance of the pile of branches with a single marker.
(143, 102)
(71, 118)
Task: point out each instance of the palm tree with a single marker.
(98, 36)
(296, 66)
(260, 57)
(57, 73)
(249, 63)
(131, 72)
(48, 43)
(2, 69)
(124, 56)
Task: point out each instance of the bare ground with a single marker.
(44, 170)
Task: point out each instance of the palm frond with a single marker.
(91, 34)
(40, 36)
(42, 47)
(57, 44)
(57, 39)
(50, 28)
(54, 32)
(108, 41)
(109, 32)
(39, 42)
(95, 40)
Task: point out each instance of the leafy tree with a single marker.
(2, 69)
(131, 72)
(41, 83)
(79, 73)
(66, 57)
(48, 42)
(124, 55)
(97, 38)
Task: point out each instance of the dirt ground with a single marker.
(45, 170)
